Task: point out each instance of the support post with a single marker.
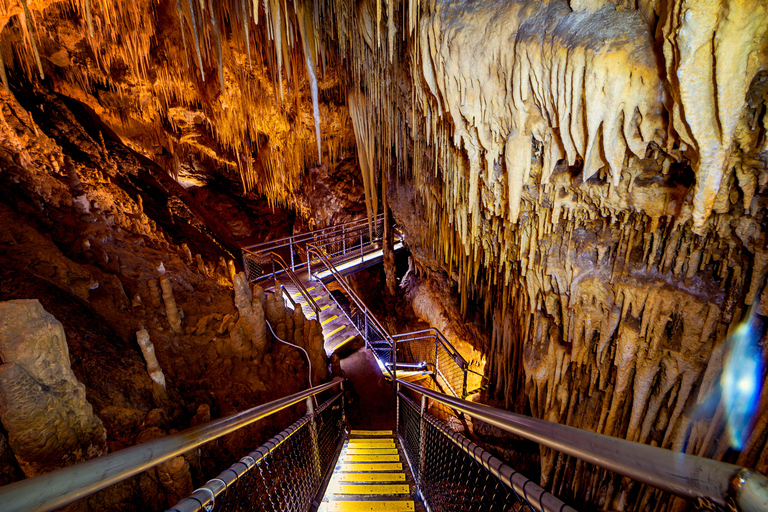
(422, 439)
(290, 245)
(343, 239)
(397, 409)
(309, 268)
(361, 245)
(313, 435)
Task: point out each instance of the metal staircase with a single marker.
(321, 463)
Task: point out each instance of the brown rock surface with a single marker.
(43, 407)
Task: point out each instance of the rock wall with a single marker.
(43, 406)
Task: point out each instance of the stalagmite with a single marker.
(154, 293)
(171, 310)
(232, 270)
(148, 351)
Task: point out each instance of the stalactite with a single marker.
(197, 39)
(180, 13)
(3, 75)
(217, 37)
(33, 38)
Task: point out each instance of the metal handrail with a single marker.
(439, 337)
(538, 498)
(61, 487)
(684, 475)
(305, 237)
(296, 282)
(205, 496)
(370, 317)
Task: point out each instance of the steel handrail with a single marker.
(684, 475)
(439, 337)
(63, 486)
(325, 232)
(205, 497)
(539, 499)
(296, 282)
(357, 301)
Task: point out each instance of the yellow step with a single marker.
(371, 477)
(370, 506)
(335, 331)
(371, 458)
(299, 293)
(371, 489)
(334, 317)
(371, 451)
(372, 443)
(345, 341)
(373, 466)
(325, 307)
(371, 432)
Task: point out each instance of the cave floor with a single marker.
(370, 398)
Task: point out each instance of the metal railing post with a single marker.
(309, 268)
(422, 438)
(394, 360)
(290, 246)
(313, 435)
(361, 245)
(397, 408)
(343, 239)
(464, 385)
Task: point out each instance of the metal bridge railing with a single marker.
(716, 485)
(453, 473)
(61, 487)
(368, 326)
(337, 243)
(285, 473)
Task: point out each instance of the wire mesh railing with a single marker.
(339, 242)
(454, 474)
(284, 474)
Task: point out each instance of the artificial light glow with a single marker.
(742, 374)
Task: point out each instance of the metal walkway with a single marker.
(319, 463)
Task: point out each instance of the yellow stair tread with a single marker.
(371, 477)
(334, 317)
(335, 331)
(371, 458)
(299, 293)
(371, 451)
(371, 432)
(370, 506)
(371, 442)
(371, 489)
(373, 466)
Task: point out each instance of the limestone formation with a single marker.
(172, 311)
(43, 407)
(153, 366)
(154, 293)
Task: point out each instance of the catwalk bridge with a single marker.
(320, 462)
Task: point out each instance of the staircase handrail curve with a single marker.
(311, 235)
(297, 283)
(688, 476)
(53, 490)
(352, 295)
(439, 338)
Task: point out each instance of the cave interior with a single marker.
(579, 188)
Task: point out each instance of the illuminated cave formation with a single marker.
(582, 186)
